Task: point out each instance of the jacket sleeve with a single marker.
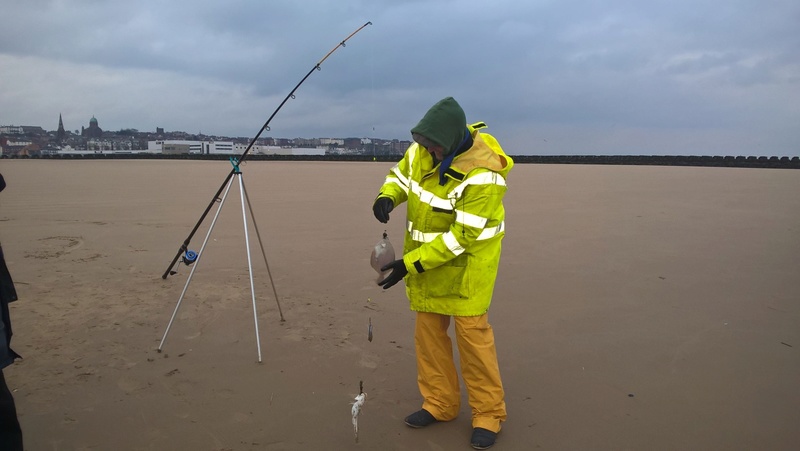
(479, 215)
(397, 182)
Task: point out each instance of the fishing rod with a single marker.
(265, 127)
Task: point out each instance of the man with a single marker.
(10, 432)
(453, 178)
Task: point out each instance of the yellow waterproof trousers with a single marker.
(436, 370)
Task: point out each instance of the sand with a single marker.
(641, 308)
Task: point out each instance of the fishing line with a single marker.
(372, 95)
(242, 158)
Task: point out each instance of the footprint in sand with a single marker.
(56, 246)
(89, 258)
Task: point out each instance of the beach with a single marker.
(636, 308)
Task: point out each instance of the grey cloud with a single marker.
(612, 76)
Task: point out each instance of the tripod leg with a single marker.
(194, 266)
(249, 264)
(261, 243)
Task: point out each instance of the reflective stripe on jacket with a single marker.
(453, 230)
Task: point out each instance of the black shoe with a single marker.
(420, 419)
(482, 438)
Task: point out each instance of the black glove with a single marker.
(381, 208)
(398, 272)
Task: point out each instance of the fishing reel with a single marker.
(188, 258)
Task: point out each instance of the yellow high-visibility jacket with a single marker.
(453, 231)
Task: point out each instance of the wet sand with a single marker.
(641, 308)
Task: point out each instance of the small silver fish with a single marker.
(356, 411)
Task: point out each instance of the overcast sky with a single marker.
(694, 77)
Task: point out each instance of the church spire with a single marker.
(61, 133)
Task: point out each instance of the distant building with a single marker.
(175, 146)
(331, 142)
(11, 130)
(91, 140)
(94, 131)
(353, 143)
(189, 147)
(60, 133)
(306, 151)
(33, 130)
(278, 150)
(17, 147)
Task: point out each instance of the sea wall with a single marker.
(640, 160)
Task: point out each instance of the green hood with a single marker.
(445, 124)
